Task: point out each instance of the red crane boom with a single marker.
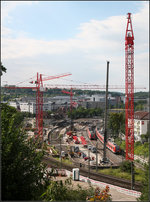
(129, 89)
(87, 86)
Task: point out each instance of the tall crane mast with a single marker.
(129, 89)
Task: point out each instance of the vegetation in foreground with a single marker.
(22, 168)
(24, 176)
(64, 191)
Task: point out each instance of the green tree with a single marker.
(144, 137)
(139, 107)
(81, 112)
(145, 185)
(22, 170)
(116, 122)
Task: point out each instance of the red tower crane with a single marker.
(129, 89)
(39, 98)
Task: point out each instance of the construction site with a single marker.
(84, 143)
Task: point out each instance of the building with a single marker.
(98, 101)
(24, 106)
(48, 106)
(141, 124)
(30, 106)
(14, 104)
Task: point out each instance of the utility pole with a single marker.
(132, 175)
(96, 155)
(88, 163)
(106, 108)
(60, 154)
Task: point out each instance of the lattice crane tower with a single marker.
(129, 89)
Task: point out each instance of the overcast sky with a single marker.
(77, 37)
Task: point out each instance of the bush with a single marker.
(126, 166)
(62, 191)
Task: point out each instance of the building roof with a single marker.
(141, 115)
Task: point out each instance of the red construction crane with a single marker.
(39, 98)
(129, 89)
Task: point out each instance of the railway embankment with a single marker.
(50, 161)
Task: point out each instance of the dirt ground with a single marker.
(116, 195)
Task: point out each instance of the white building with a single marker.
(30, 106)
(24, 106)
(141, 124)
(98, 98)
(14, 104)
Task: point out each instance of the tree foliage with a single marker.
(116, 122)
(81, 112)
(126, 166)
(64, 191)
(141, 149)
(22, 170)
(145, 188)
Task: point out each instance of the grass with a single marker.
(116, 172)
(66, 160)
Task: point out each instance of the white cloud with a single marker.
(8, 6)
(96, 42)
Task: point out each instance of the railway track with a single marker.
(115, 159)
(93, 175)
